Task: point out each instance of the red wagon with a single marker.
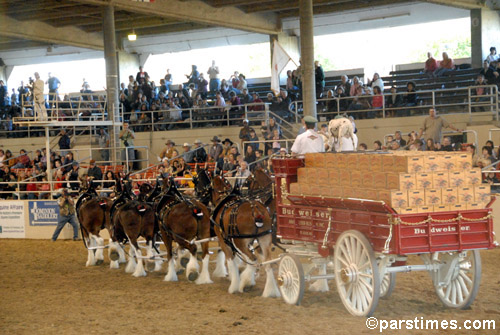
(366, 243)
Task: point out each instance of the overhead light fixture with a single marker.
(132, 36)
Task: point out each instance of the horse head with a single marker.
(220, 188)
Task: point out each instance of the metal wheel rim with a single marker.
(387, 285)
(356, 273)
(464, 284)
(292, 277)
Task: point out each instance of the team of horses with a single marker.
(241, 220)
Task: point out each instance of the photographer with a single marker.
(127, 136)
(66, 215)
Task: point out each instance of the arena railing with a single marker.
(190, 118)
(439, 99)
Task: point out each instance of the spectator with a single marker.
(430, 65)
(409, 97)
(200, 155)
(23, 160)
(430, 145)
(213, 74)
(432, 126)
(104, 140)
(393, 100)
(54, 85)
(378, 99)
(39, 99)
(44, 189)
(376, 82)
(245, 132)
(193, 76)
(215, 152)
(141, 75)
(399, 139)
(202, 86)
(246, 98)
(168, 151)
(127, 137)
(289, 80)
(72, 177)
(109, 184)
(354, 87)
(446, 145)
(2, 158)
(254, 140)
(68, 159)
(229, 163)
(257, 100)
(363, 147)
(493, 57)
(345, 84)
(94, 172)
(276, 137)
(249, 154)
(319, 79)
(242, 174)
(234, 79)
(445, 66)
(226, 146)
(242, 84)
(64, 142)
(377, 145)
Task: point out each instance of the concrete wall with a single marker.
(128, 64)
(485, 33)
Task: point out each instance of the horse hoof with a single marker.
(184, 262)
(179, 272)
(114, 255)
(150, 266)
(193, 276)
(99, 262)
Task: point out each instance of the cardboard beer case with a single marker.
(416, 198)
(473, 177)
(424, 181)
(401, 181)
(440, 179)
(449, 196)
(433, 197)
(465, 195)
(457, 178)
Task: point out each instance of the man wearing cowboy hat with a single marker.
(168, 151)
(310, 140)
(200, 155)
(245, 132)
(215, 152)
(188, 155)
(226, 147)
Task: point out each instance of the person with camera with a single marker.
(127, 136)
(66, 215)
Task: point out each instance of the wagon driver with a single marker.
(309, 141)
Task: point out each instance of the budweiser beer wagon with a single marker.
(360, 232)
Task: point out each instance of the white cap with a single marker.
(186, 144)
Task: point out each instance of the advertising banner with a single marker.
(12, 219)
(43, 213)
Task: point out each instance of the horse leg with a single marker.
(139, 269)
(114, 254)
(131, 265)
(192, 267)
(171, 272)
(220, 268)
(247, 277)
(150, 262)
(204, 277)
(271, 288)
(91, 254)
(99, 253)
(158, 262)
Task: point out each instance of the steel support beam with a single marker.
(199, 12)
(43, 32)
(307, 56)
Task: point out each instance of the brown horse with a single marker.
(184, 220)
(238, 223)
(260, 187)
(131, 220)
(93, 215)
(220, 189)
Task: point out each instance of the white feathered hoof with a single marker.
(171, 275)
(114, 265)
(204, 277)
(90, 258)
(114, 255)
(247, 278)
(130, 265)
(220, 268)
(139, 270)
(271, 289)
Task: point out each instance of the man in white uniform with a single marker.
(309, 141)
(39, 99)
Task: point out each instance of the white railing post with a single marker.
(470, 100)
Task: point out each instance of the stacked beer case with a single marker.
(409, 181)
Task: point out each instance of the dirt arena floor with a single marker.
(45, 288)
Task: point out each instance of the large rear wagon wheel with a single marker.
(465, 277)
(356, 273)
(291, 279)
(387, 285)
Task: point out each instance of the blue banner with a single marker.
(43, 213)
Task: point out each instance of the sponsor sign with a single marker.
(12, 219)
(43, 213)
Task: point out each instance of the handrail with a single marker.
(493, 104)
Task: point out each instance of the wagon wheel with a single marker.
(387, 285)
(463, 285)
(291, 279)
(356, 273)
